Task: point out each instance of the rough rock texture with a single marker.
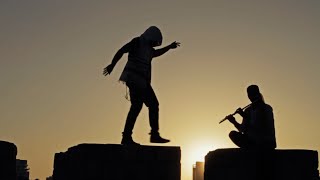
(8, 153)
(227, 164)
(118, 162)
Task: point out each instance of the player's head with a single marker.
(254, 93)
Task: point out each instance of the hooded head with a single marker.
(153, 36)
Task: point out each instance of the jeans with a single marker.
(138, 97)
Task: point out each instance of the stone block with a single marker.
(240, 164)
(118, 162)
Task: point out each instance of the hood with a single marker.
(153, 34)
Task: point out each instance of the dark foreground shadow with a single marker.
(118, 162)
(8, 153)
(241, 164)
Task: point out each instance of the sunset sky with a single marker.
(54, 96)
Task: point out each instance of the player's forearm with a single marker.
(161, 51)
(238, 126)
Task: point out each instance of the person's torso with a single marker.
(138, 67)
(260, 125)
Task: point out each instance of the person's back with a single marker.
(260, 125)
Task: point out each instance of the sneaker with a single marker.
(156, 138)
(127, 140)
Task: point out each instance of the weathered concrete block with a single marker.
(118, 162)
(242, 164)
(8, 153)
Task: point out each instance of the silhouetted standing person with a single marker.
(137, 76)
(257, 127)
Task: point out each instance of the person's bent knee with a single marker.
(233, 134)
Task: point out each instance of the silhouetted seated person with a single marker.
(257, 127)
(137, 76)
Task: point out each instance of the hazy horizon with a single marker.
(54, 96)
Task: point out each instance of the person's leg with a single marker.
(239, 139)
(136, 106)
(132, 117)
(151, 101)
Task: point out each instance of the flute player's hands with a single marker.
(231, 119)
(240, 111)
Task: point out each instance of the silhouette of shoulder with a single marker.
(265, 108)
(131, 46)
(268, 107)
(134, 44)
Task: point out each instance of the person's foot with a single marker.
(156, 138)
(127, 140)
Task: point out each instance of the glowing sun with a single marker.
(198, 153)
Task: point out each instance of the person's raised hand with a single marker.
(174, 45)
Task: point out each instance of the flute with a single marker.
(237, 112)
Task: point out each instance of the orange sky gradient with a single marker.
(54, 96)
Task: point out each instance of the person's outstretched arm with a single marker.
(108, 69)
(159, 52)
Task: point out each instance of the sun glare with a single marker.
(199, 152)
